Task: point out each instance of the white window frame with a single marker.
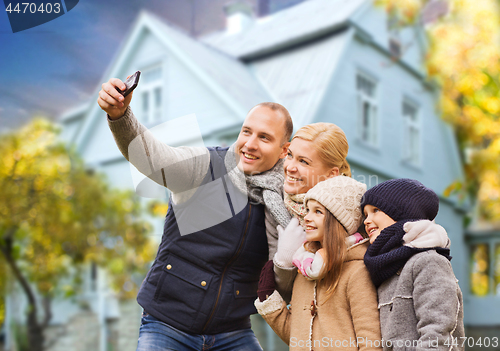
(367, 101)
(148, 91)
(412, 147)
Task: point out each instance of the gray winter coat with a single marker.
(421, 308)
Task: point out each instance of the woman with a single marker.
(317, 152)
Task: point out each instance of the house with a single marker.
(325, 60)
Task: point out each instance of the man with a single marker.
(200, 290)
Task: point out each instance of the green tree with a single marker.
(56, 214)
(464, 59)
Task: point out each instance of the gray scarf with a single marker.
(265, 188)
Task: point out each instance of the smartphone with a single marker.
(130, 83)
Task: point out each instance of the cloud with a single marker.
(58, 66)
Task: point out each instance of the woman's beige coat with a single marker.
(349, 320)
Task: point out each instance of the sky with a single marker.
(49, 69)
(59, 65)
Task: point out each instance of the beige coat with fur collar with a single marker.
(349, 320)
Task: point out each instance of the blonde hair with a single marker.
(330, 142)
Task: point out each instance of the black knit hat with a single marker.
(403, 199)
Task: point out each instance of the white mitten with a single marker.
(424, 234)
(289, 240)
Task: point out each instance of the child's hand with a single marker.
(289, 240)
(425, 234)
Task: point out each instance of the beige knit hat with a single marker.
(341, 195)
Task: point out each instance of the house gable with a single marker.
(298, 77)
(373, 21)
(191, 82)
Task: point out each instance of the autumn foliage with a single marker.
(464, 59)
(55, 215)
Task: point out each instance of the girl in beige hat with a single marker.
(334, 302)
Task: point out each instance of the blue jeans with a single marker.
(154, 335)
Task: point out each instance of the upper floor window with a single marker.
(151, 94)
(367, 109)
(411, 122)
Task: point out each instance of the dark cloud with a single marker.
(48, 69)
(60, 64)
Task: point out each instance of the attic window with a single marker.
(151, 94)
(395, 48)
(393, 28)
(367, 109)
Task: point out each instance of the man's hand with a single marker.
(111, 101)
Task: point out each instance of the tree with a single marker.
(55, 215)
(464, 59)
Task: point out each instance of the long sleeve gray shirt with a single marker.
(180, 169)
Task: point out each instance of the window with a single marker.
(367, 110)
(411, 148)
(479, 272)
(497, 269)
(151, 94)
(393, 27)
(395, 48)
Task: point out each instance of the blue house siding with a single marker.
(315, 78)
(394, 83)
(187, 94)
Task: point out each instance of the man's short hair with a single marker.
(286, 115)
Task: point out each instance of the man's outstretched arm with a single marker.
(178, 168)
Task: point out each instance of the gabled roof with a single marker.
(226, 77)
(229, 73)
(298, 78)
(289, 57)
(292, 26)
